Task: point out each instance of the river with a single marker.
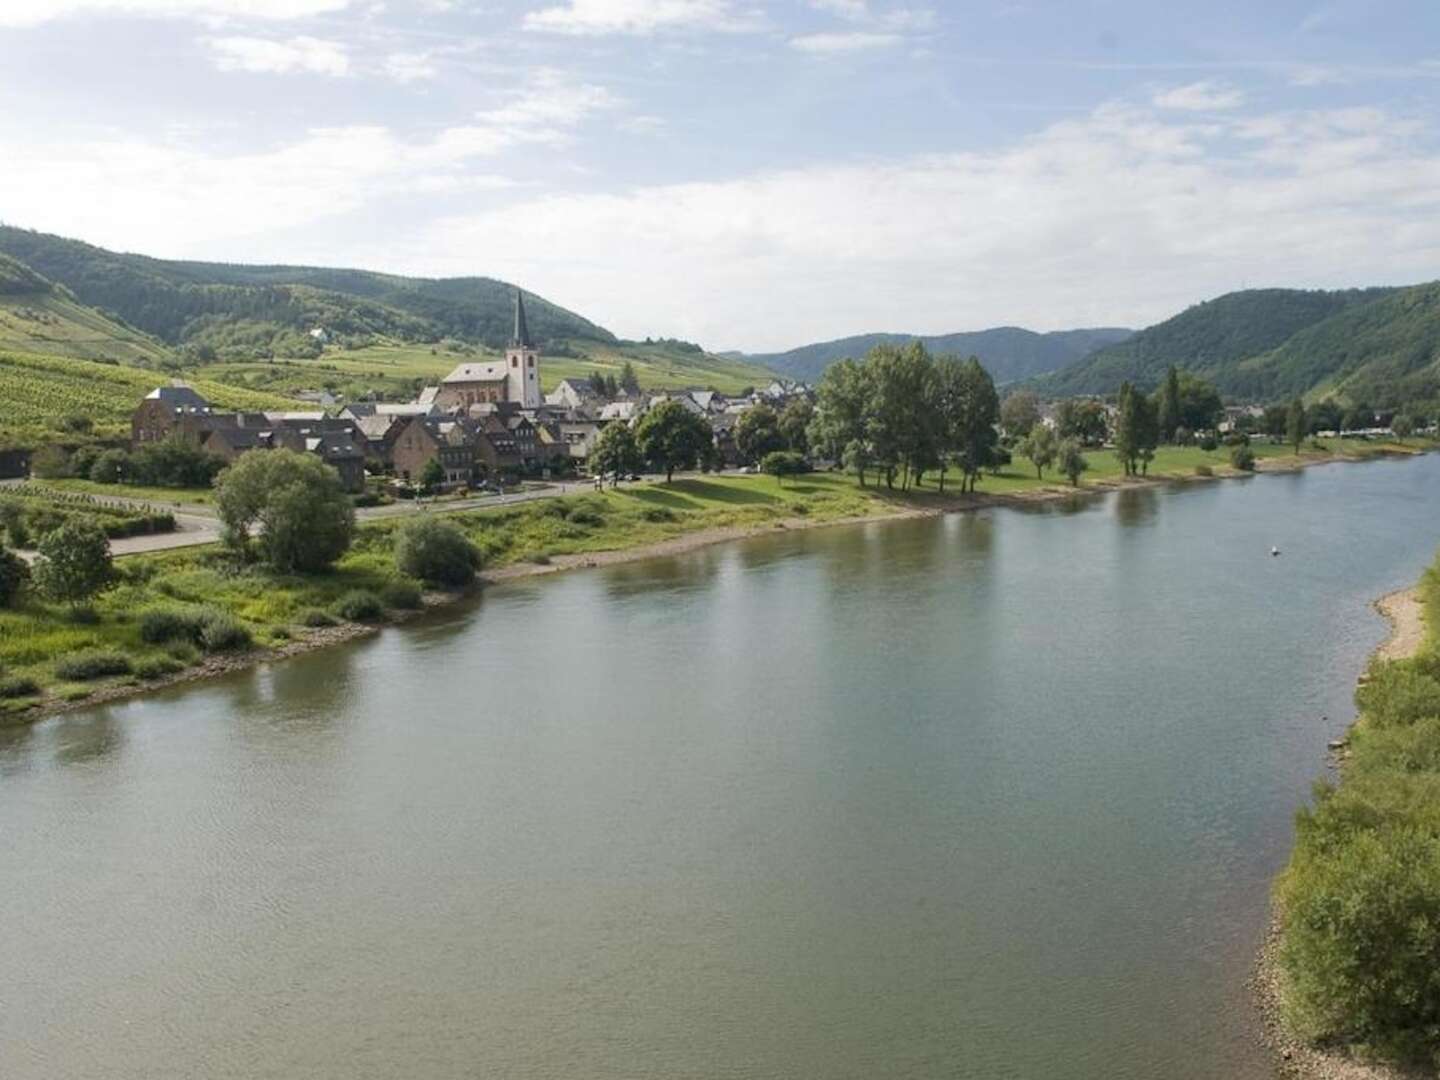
(990, 795)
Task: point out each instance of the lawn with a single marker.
(166, 495)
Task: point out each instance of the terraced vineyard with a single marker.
(36, 392)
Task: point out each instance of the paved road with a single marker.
(196, 523)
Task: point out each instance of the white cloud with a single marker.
(860, 11)
(1200, 97)
(640, 17)
(847, 42)
(298, 54)
(35, 12)
(411, 67)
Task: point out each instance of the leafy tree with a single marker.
(615, 451)
(1200, 404)
(757, 433)
(629, 381)
(1168, 415)
(839, 421)
(783, 463)
(432, 475)
(1019, 413)
(1083, 420)
(671, 437)
(899, 384)
(50, 463)
(1243, 458)
(795, 423)
(74, 562)
(1295, 425)
(1358, 417)
(436, 551)
(1071, 459)
(974, 412)
(14, 576)
(305, 518)
(1403, 427)
(1274, 421)
(1135, 429)
(111, 467)
(1326, 416)
(1041, 447)
(174, 462)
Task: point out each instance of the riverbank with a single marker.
(1297, 1056)
(544, 537)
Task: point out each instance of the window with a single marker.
(514, 361)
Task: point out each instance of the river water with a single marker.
(992, 795)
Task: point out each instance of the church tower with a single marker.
(522, 363)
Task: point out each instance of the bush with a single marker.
(1243, 458)
(1204, 470)
(658, 514)
(402, 596)
(360, 605)
(1237, 438)
(436, 551)
(74, 562)
(14, 576)
(167, 624)
(222, 632)
(110, 467)
(315, 618)
(50, 463)
(586, 517)
(18, 686)
(783, 463)
(94, 665)
(1397, 694)
(1208, 443)
(157, 667)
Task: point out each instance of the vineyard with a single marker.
(28, 512)
(37, 392)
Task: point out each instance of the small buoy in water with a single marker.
(1274, 551)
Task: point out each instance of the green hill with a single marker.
(1219, 340)
(1008, 352)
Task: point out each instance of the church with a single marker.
(515, 379)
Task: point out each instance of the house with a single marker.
(379, 434)
(627, 412)
(358, 410)
(451, 441)
(580, 436)
(160, 413)
(572, 394)
(722, 428)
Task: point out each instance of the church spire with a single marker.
(521, 338)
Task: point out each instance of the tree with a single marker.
(1326, 416)
(1083, 420)
(1168, 416)
(757, 433)
(1019, 413)
(897, 429)
(795, 424)
(671, 437)
(1357, 418)
(305, 518)
(74, 563)
(839, 421)
(615, 451)
(1243, 458)
(1070, 457)
(974, 411)
(629, 381)
(1295, 428)
(436, 551)
(1200, 404)
(14, 576)
(1040, 446)
(432, 475)
(1136, 429)
(783, 463)
(111, 467)
(1402, 426)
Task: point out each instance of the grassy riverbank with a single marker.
(1353, 970)
(289, 613)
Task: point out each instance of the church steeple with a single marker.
(520, 339)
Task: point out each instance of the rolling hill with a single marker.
(1266, 344)
(1009, 352)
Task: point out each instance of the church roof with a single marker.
(476, 373)
(521, 337)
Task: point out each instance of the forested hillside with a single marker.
(1008, 352)
(1218, 339)
(223, 311)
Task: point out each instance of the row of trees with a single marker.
(173, 462)
(902, 413)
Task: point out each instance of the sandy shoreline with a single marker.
(308, 640)
(1405, 612)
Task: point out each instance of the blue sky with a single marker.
(748, 175)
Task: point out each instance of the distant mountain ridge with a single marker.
(1008, 352)
(1377, 345)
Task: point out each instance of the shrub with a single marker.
(1243, 458)
(587, 517)
(222, 632)
(360, 605)
(18, 686)
(74, 562)
(436, 551)
(402, 596)
(183, 652)
(315, 617)
(783, 463)
(1237, 438)
(1208, 443)
(14, 576)
(157, 667)
(110, 467)
(1204, 470)
(83, 615)
(93, 665)
(1398, 694)
(168, 624)
(658, 514)
(50, 463)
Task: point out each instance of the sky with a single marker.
(747, 175)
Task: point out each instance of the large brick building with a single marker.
(514, 380)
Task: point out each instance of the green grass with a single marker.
(166, 495)
(37, 391)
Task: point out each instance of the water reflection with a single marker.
(1137, 505)
(89, 736)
